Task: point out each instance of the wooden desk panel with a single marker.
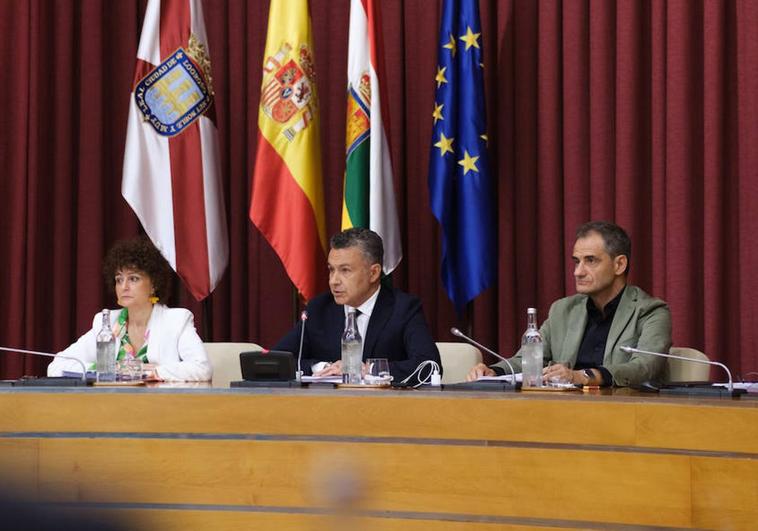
(394, 477)
(424, 457)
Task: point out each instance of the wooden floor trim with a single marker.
(400, 515)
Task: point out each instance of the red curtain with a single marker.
(642, 112)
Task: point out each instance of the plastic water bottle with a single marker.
(352, 351)
(532, 355)
(106, 351)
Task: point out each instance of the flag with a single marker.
(171, 176)
(460, 184)
(287, 202)
(369, 194)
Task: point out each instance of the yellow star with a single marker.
(440, 77)
(468, 163)
(437, 114)
(470, 38)
(451, 45)
(445, 144)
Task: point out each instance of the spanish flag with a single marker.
(287, 202)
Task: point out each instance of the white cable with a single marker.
(433, 366)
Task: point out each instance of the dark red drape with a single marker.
(642, 112)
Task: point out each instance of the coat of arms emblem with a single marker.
(289, 89)
(178, 91)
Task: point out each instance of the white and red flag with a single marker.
(172, 176)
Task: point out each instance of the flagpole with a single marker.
(207, 319)
(295, 303)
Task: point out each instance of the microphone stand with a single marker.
(463, 336)
(49, 355)
(299, 373)
(631, 350)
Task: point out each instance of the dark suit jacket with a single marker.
(396, 330)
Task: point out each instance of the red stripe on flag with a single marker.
(190, 233)
(185, 154)
(141, 69)
(284, 215)
(376, 43)
(175, 26)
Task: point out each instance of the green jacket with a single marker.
(640, 321)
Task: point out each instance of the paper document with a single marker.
(322, 379)
(751, 387)
(505, 378)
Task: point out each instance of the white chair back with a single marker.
(457, 361)
(684, 371)
(225, 360)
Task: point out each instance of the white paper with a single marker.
(752, 387)
(505, 378)
(323, 379)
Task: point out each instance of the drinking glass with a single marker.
(129, 369)
(377, 371)
(560, 381)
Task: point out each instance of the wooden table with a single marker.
(189, 458)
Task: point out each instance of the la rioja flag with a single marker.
(171, 177)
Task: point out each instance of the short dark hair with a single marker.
(369, 242)
(615, 239)
(139, 254)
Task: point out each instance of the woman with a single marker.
(163, 337)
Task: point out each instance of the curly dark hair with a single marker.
(140, 254)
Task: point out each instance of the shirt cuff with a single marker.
(607, 377)
(320, 366)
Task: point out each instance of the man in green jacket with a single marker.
(584, 333)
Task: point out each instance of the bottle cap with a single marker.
(531, 310)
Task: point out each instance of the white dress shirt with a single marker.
(362, 319)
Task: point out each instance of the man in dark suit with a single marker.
(390, 321)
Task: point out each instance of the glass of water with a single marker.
(563, 379)
(377, 371)
(129, 369)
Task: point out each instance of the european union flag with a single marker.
(460, 185)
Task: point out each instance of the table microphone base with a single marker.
(266, 383)
(486, 385)
(706, 391)
(49, 381)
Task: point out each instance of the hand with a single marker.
(479, 370)
(150, 373)
(558, 373)
(333, 369)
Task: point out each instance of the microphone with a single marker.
(630, 350)
(463, 336)
(49, 355)
(299, 373)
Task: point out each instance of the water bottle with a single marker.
(352, 351)
(106, 351)
(532, 351)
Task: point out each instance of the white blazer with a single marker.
(173, 345)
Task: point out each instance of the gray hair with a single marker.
(615, 239)
(368, 241)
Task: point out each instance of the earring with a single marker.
(153, 299)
